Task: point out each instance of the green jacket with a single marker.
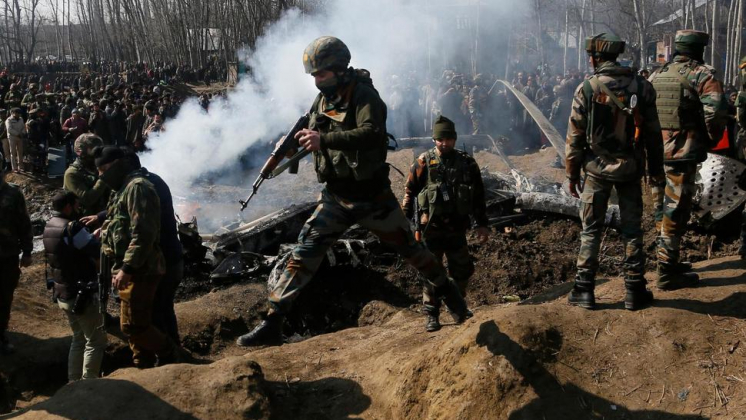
(92, 193)
(692, 145)
(352, 159)
(607, 141)
(15, 224)
(131, 234)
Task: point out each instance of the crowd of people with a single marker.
(116, 218)
(121, 103)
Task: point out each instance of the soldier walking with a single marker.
(347, 134)
(448, 188)
(613, 125)
(693, 113)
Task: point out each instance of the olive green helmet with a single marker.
(86, 142)
(326, 53)
(689, 37)
(604, 43)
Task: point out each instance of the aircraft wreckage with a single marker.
(261, 246)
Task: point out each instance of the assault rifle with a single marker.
(104, 283)
(416, 220)
(271, 168)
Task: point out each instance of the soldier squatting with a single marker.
(621, 128)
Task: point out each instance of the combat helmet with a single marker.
(324, 53)
(87, 141)
(604, 44)
(689, 37)
(691, 43)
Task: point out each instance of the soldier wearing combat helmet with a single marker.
(612, 127)
(347, 135)
(693, 112)
(81, 178)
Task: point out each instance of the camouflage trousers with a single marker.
(672, 214)
(594, 201)
(333, 216)
(145, 340)
(451, 244)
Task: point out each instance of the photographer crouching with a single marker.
(71, 252)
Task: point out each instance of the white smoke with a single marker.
(384, 36)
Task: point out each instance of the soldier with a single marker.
(741, 113)
(15, 237)
(37, 141)
(447, 185)
(693, 114)
(130, 239)
(347, 134)
(13, 97)
(81, 177)
(72, 253)
(477, 102)
(30, 97)
(613, 125)
(741, 143)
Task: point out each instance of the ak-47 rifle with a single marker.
(271, 168)
(104, 283)
(416, 220)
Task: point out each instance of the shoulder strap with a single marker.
(684, 79)
(597, 84)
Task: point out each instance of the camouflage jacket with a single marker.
(131, 233)
(610, 150)
(352, 129)
(15, 224)
(741, 100)
(13, 98)
(477, 99)
(693, 145)
(92, 193)
(419, 180)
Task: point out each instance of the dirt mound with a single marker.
(680, 359)
(229, 389)
(526, 361)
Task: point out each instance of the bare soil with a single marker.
(360, 351)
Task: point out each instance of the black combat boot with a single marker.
(268, 332)
(671, 279)
(582, 292)
(638, 296)
(433, 315)
(682, 267)
(454, 301)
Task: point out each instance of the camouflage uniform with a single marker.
(691, 125)
(477, 103)
(445, 232)
(610, 143)
(15, 236)
(741, 113)
(351, 130)
(741, 146)
(130, 238)
(352, 163)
